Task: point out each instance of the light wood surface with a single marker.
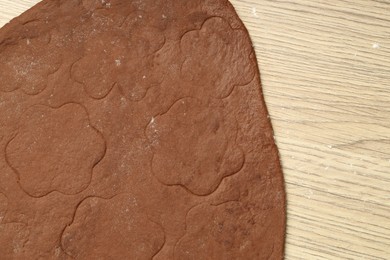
(325, 69)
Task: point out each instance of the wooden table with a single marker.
(325, 69)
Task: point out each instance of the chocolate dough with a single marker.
(135, 129)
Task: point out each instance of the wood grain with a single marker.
(325, 69)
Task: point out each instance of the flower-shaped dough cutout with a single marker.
(99, 68)
(125, 59)
(145, 32)
(194, 145)
(55, 149)
(145, 40)
(116, 228)
(226, 231)
(27, 65)
(216, 45)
